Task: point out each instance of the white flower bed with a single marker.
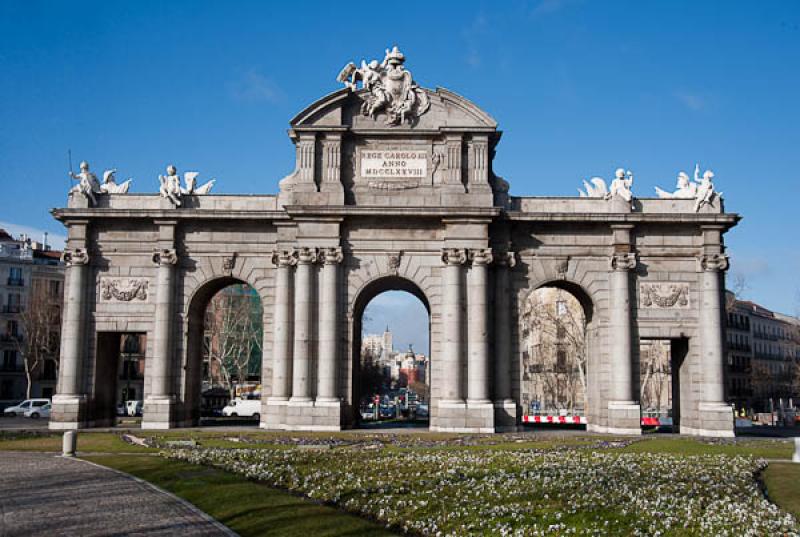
(521, 493)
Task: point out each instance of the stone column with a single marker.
(620, 328)
(159, 400)
(452, 348)
(162, 336)
(74, 323)
(711, 328)
(282, 323)
(478, 328)
(303, 318)
(502, 330)
(328, 339)
(623, 412)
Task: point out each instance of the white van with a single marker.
(28, 404)
(243, 407)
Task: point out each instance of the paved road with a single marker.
(44, 494)
(20, 422)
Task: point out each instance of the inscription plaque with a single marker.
(396, 169)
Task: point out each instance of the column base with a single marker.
(715, 419)
(505, 415)
(461, 417)
(68, 412)
(624, 417)
(273, 413)
(158, 412)
(308, 415)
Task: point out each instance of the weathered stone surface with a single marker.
(412, 205)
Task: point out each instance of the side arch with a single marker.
(591, 340)
(192, 337)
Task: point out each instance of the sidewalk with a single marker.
(45, 494)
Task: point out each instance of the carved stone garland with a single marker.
(135, 289)
(664, 295)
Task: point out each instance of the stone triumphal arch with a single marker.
(394, 188)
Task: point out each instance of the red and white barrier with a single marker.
(573, 420)
(579, 420)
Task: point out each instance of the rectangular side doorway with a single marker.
(660, 362)
(119, 376)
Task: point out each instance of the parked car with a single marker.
(37, 412)
(422, 410)
(27, 404)
(134, 408)
(243, 408)
(122, 409)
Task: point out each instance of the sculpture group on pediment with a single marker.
(701, 189)
(387, 88)
(620, 187)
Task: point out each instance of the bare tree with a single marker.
(234, 330)
(737, 287)
(39, 331)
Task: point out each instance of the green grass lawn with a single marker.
(766, 448)
(783, 485)
(87, 442)
(246, 507)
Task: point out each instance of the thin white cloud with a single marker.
(254, 87)
(474, 35)
(546, 7)
(55, 240)
(692, 101)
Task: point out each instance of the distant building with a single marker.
(763, 356)
(30, 273)
(403, 368)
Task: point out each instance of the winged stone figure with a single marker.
(597, 188)
(191, 184)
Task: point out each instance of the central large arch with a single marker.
(368, 292)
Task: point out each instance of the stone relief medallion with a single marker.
(124, 290)
(664, 295)
(393, 169)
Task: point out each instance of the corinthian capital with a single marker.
(454, 256)
(714, 262)
(78, 256)
(165, 256)
(506, 259)
(284, 258)
(307, 256)
(623, 261)
(332, 256)
(480, 256)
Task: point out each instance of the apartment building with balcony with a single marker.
(763, 356)
(31, 274)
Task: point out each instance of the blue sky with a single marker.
(579, 88)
